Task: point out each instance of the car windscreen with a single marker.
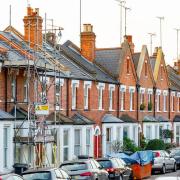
(105, 163)
(76, 166)
(37, 175)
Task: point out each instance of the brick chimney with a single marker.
(88, 39)
(33, 28)
(155, 52)
(128, 38)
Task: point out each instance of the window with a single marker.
(108, 140)
(13, 89)
(128, 64)
(88, 141)
(164, 103)
(100, 87)
(142, 99)
(111, 93)
(75, 85)
(131, 91)
(66, 145)
(156, 132)
(87, 86)
(160, 132)
(119, 134)
(178, 135)
(173, 101)
(26, 90)
(125, 132)
(77, 142)
(123, 91)
(148, 133)
(6, 148)
(145, 67)
(158, 100)
(134, 133)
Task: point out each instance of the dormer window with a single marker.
(128, 64)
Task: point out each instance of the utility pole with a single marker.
(177, 31)
(151, 36)
(160, 20)
(121, 2)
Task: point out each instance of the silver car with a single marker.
(163, 162)
(84, 169)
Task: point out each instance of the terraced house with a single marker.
(94, 96)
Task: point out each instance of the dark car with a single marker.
(85, 169)
(46, 174)
(175, 153)
(116, 168)
(10, 176)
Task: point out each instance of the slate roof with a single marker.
(174, 78)
(109, 118)
(82, 120)
(68, 49)
(128, 119)
(176, 118)
(5, 116)
(109, 59)
(149, 118)
(136, 57)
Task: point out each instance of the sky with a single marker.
(104, 15)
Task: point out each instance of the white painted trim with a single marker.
(101, 85)
(132, 89)
(165, 92)
(112, 86)
(61, 81)
(89, 83)
(158, 92)
(173, 93)
(142, 90)
(123, 88)
(150, 91)
(76, 82)
(178, 94)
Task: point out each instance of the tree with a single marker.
(156, 144)
(116, 146)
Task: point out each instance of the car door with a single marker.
(168, 160)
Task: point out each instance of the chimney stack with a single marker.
(155, 52)
(177, 66)
(128, 38)
(33, 28)
(88, 39)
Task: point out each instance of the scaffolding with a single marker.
(33, 132)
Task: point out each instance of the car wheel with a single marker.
(175, 167)
(163, 169)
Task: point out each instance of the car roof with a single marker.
(105, 159)
(39, 170)
(76, 161)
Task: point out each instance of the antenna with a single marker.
(28, 3)
(126, 8)
(151, 36)
(177, 31)
(10, 15)
(160, 20)
(121, 2)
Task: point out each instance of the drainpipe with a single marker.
(154, 101)
(137, 101)
(5, 83)
(169, 104)
(67, 96)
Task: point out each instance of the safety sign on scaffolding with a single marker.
(42, 109)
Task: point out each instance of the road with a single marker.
(167, 176)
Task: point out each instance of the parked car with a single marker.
(175, 153)
(10, 176)
(46, 174)
(116, 168)
(85, 169)
(163, 162)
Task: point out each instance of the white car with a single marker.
(163, 162)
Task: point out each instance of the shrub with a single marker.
(150, 106)
(143, 143)
(129, 145)
(116, 146)
(142, 106)
(169, 146)
(156, 144)
(167, 133)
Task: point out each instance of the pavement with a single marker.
(167, 176)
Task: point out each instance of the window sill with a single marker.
(122, 110)
(85, 109)
(100, 109)
(111, 110)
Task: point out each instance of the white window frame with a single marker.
(6, 146)
(172, 101)
(87, 86)
(111, 90)
(158, 96)
(60, 83)
(88, 145)
(108, 143)
(74, 85)
(13, 88)
(66, 146)
(142, 92)
(80, 140)
(131, 91)
(100, 87)
(26, 90)
(150, 93)
(123, 91)
(149, 128)
(165, 93)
